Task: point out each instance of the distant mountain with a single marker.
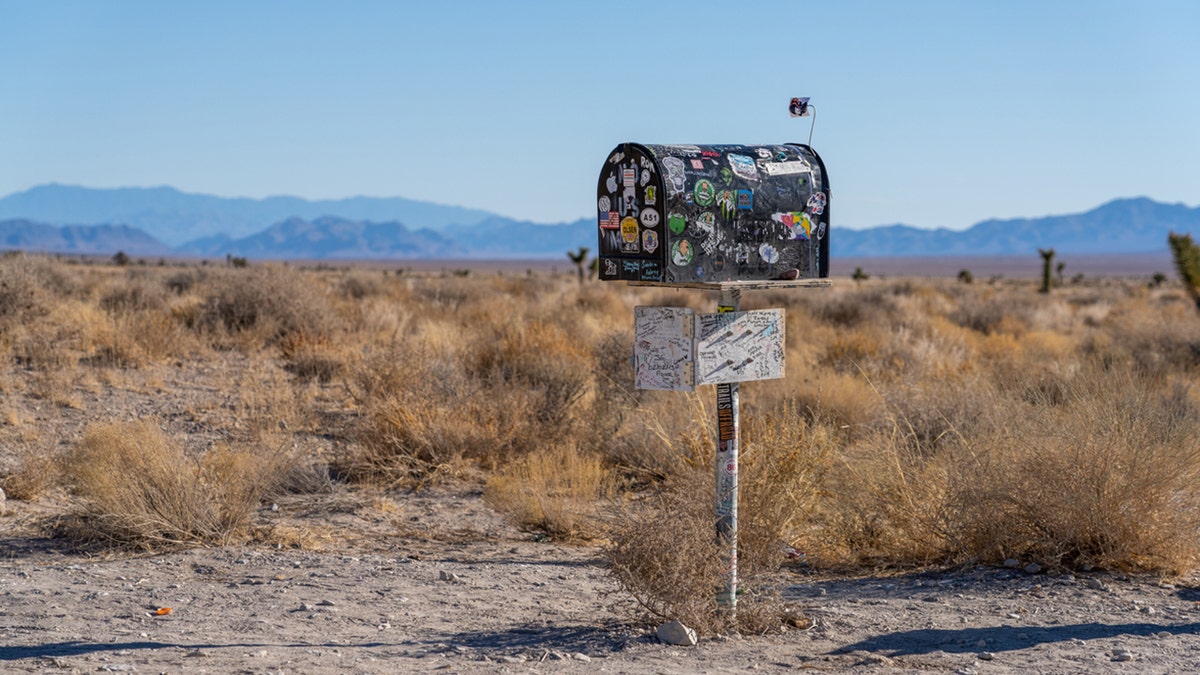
(175, 217)
(25, 235)
(333, 237)
(1137, 225)
(158, 221)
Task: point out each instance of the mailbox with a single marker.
(710, 213)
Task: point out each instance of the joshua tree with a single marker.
(859, 274)
(120, 258)
(1059, 268)
(966, 277)
(1187, 263)
(1047, 262)
(580, 259)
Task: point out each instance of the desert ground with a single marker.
(376, 472)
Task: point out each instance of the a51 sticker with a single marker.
(650, 217)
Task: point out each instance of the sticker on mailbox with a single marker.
(629, 230)
(649, 241)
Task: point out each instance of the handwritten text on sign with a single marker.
(675, 349)
(739, 346)
(663, 348)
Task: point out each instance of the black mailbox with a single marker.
(694, 213)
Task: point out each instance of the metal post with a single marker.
(727, 469)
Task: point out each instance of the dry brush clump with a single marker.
(139, 489)
(663, 551)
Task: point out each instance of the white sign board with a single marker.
(663, 348)
(674, 349)
(740, 346)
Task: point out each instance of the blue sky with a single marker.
(935, 114)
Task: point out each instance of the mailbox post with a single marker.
(725, 218)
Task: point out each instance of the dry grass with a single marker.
(141, 490)
(919, 422)
(556, 491)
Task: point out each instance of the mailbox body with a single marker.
(712, 213)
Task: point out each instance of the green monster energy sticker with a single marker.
(704, 192)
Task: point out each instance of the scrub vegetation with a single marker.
(921, 422)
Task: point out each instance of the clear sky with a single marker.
(935, 114)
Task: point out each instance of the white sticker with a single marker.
(650, 217)
(604, 204)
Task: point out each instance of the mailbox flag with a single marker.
(799, 107)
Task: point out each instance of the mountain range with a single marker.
(164, 221)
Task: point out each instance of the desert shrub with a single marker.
(554, 491)
(266, 303)
(358, 286)
(183, 282)
(138, 292)
(662, 549)
(29, 286)
(139, 489)
(37, 472)
(312, 357)
(1110, 477)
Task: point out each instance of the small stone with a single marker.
(1012, 562)
(1033, 568)
(1012, 615)
(1094, 583)
(1123, 655)
(1147, 610)
(1163, 634)
(512, 659)
(578, 656)
(985, 656)
(1086, 567)
(675, 633)
(326, 603)
(448, 576)
(305, 607)
(981, 644)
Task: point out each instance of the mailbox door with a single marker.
(629, 204)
